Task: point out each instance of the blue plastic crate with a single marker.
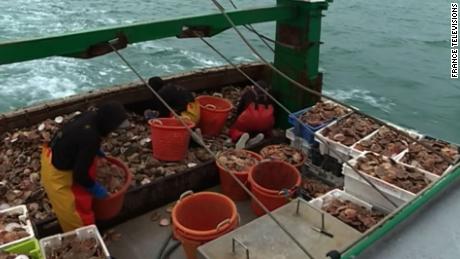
(304, 130)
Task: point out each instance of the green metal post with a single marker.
(298, 56)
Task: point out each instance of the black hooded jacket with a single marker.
(253, 94)
(75, 145)
(174, 95)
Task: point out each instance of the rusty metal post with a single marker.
(297, 55)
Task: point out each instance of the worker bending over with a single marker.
(68, 165)
(255, 116)
(180, 99)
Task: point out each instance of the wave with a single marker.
(28, 82)
(364, 96)
(200, 59)
(436, 43)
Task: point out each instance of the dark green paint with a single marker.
(73, 44)
(301, 62)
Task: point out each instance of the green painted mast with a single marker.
(297, 56)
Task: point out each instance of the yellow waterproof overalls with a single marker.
(192, 112)
(71, 203)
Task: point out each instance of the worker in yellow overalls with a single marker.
(68, 165)
(177, 97)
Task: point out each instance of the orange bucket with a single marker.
(214, 112)
(105, 209)
(170, 138)
(269, 182)
(202, 217)
(229, 186)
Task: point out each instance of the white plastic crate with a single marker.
(448, 169)
(342, 152)
(25, 223)
(82, 233)
(411, 132)
(323, 200)
(298, 142)
(401, 156)
(365, 192)
(355, 185)
(355, 152)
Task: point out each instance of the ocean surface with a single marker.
(390, 59)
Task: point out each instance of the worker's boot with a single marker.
(255, 140)
(242, 141)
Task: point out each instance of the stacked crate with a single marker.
(49, 245)
(354, 184)
(27, 245)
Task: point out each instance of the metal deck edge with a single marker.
(408, 210)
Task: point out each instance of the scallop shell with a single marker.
(164, 222)
(190, 165)
(41, 127)
(11, 226)
(155, 216)
(59, 119)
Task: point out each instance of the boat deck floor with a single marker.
(142, 238)
(432, 233)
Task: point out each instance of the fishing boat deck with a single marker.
(142, 238)
(431, 233)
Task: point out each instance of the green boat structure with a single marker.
(296, 81)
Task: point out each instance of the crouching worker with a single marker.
(255, 117)
(180, 99)
(68, 164)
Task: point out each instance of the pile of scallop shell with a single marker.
(236, 160)
(284, 153)
(111, 176)
(421, 157)
(315, 188)
(11, 228)
(407, 178)
(350, 129)
(20, 167)
(73, 247)
(386, 142)
(21, 149)
(322, 112)
(132, 145)
(358, 217)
